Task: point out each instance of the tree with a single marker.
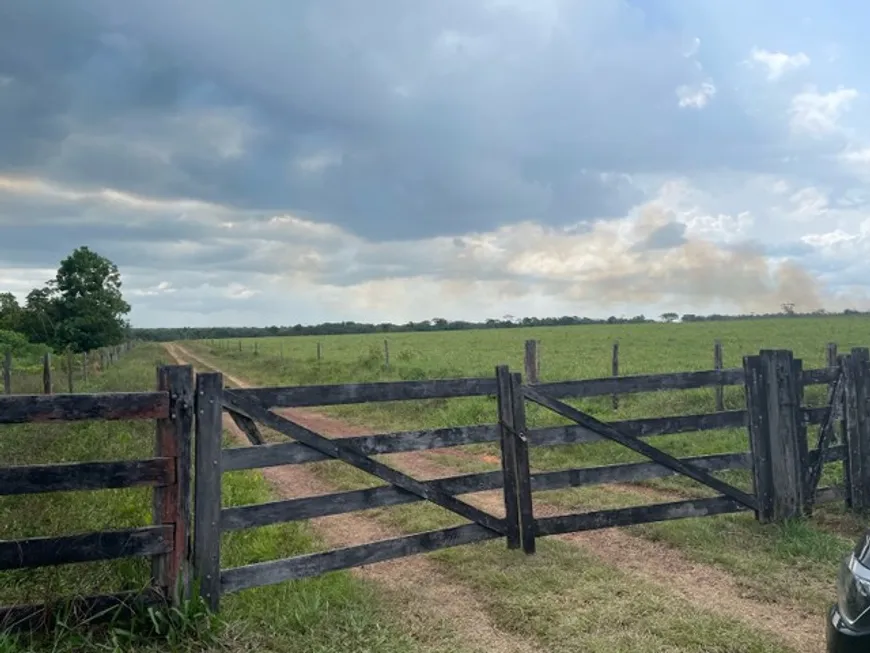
(10, 312)
(88, 306)
(669, 317)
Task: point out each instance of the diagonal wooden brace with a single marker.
(639, 446)
(348, 453)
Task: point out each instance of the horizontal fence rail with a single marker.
(165, 541)
(364, 393)
(18, 409)
(314, 564)
(62, 477)
(106, 545)
(293, 453)
(357, 393)
(667, 381)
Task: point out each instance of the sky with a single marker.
(274, 162)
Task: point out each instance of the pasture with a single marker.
(792, 565)
(724, 584)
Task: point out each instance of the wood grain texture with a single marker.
(668, 381)
(519, 432)
(788, 445)
(171, 503)
(105, 545)
(508, 455)
(64, 477)
(638, 446)
(614, 372)
(346, 452)
(207, 499)
(857, 427)
(719, 365)
(247, 426)
(758, 422)
(530, 361)
(637, 515)
(361, 393)
(17, 409)
(277, 571)
(47, 386)
(293, 453)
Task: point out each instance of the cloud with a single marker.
(778, 63)
(327, 160)
(695, 97)
(818, 114)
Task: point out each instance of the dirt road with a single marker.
(699, 584)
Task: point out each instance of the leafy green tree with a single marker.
(11, 313)
(39, 319)
(89, 308)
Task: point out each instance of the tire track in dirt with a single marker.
(428, 598)
(703, 585)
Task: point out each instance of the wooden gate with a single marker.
(785, 474)
(249, 407)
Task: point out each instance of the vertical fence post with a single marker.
(530, 361)
(7, 373)
(85, 366)
(614, 371)
(777, 440)
(207, 502)
(256, 349)
(386, 353)
(319, 352)
(69, 369)
(718, 366)
(832, 360)
(508, 455)
(46, 374)
(172, 502)
(856, 367)
(523, 476)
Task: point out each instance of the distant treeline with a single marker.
(437, 324)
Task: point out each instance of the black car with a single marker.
(849, 620)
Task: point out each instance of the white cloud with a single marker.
(695, 97)
(809, 204)
(818, 114)
(778, 63)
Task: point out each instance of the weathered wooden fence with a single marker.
(785, 473)
(168, 472)
(75, 368)
(784, 469)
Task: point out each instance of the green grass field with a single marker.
(563, 599)
(332, 613)
(767, 560)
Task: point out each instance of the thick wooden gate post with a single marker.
(776, 434)
(515, 461)
(857, 428)
(207, 504)
(172, 502)
(508, 455)
(524, 478)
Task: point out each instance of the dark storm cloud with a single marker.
(392, 119)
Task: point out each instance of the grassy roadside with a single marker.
(329, 614)
(766, 561)
(527, 595)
